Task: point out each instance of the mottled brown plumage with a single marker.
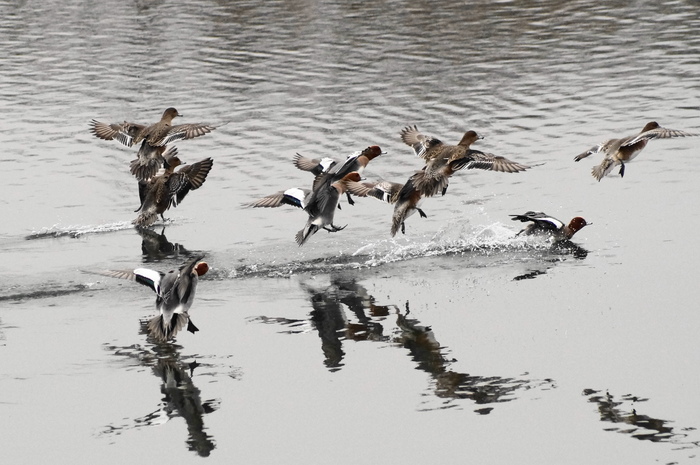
(442, 161)
(619, 151)
(153, 139)
(161, 192)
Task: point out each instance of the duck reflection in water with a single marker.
(328, 317)
(552, 256)
(181, 398)
(642, 427)
(427, 352)
(156, 247)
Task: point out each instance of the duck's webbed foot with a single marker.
(334, 228)
(403, 228)
(191, 327)
(622, 169)
(350, 200)
(421, 213)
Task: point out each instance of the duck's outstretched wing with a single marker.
(411, 136)
(124, 133)
(145, 276)
(657, 133)
(189, 177)
(180, 132)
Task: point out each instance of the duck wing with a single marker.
(179, 132)
(144, 276)
(411, 136)
(295, 197)
(476, 159)
(124, 133)
(314, 165)
(540, 218)
(189, 177)
(657, 133)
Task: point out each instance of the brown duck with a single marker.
(153, 138)
(442, 160)
(619, 151)
(161, 192)
(404, 197)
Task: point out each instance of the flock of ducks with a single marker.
(161, 186)
(333, 179)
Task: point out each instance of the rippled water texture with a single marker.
(456, 342)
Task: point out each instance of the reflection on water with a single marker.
(181, 398)
(427, 352)
(552, 257)
(334, 327)
(639, 426)
(329, 319)
(156, 247)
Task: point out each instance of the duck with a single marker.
(154, 138)
(315, 166)
(168, 189)
(175, 291)
(356, 162)
(619, 151)
(295, 196)
(406, 200)
(543, 224)
(442, 160)
(321, 205)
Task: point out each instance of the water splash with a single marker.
(495, 241)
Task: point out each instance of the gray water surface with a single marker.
(453, 343)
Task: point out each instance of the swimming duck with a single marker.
(154, 138)
(541, 223)
(175, 292)
(619, 151)
(161, 192)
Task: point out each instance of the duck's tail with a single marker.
(145, 219)
(304, 234)
(162, 330)
(401, 212)
(600, 171)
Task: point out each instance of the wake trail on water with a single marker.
(78, 230)
(496, 242)
(481, 246)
